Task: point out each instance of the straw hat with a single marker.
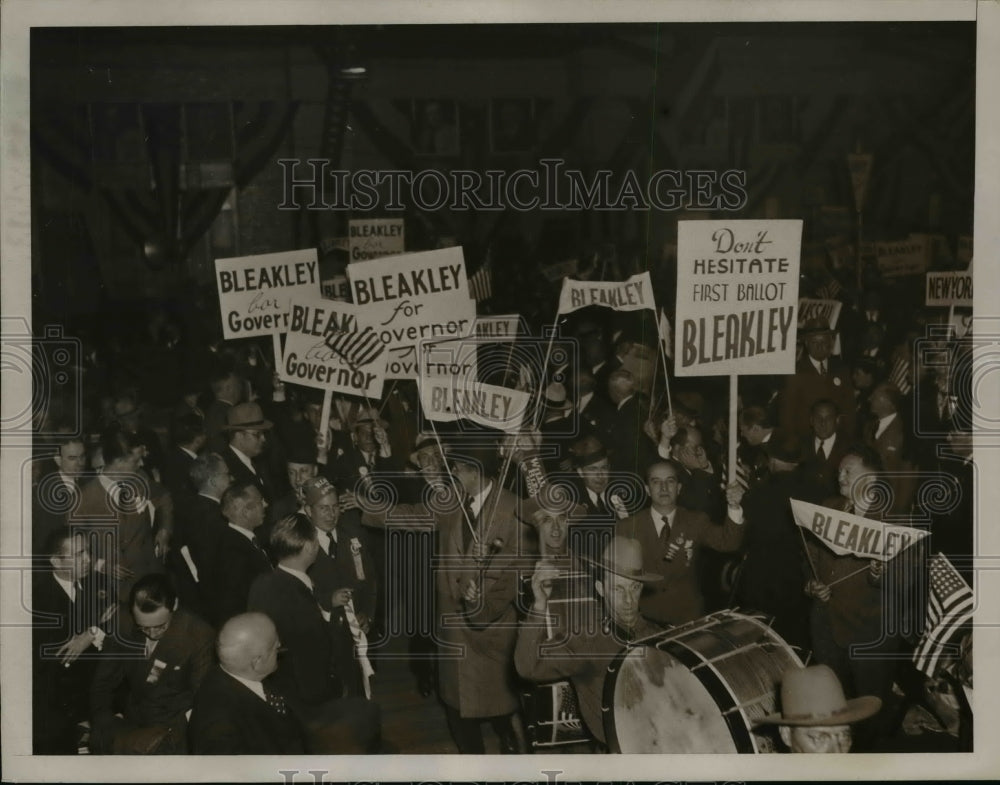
(623, 556)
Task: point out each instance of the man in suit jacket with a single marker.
(670, 537)
(817, 375)
(478, 530)
(118, 499)
(244, 455)
(240, 557)
(344, 576)
(861, 602)
(823, 449)
(200, 522)
(161, 670)
(189, 440)
(306, 674)
(69, 609)
(367, 453)
(227, 389)
(236, 710)
(887, 436)
(631, 450)
(57, 490)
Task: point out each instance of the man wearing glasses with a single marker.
(161, 668)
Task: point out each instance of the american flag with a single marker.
(949, 606)
(481, 284)
(900, 375)
(358, 348)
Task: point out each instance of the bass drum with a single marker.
(698, 688)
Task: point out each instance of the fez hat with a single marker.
(813, 696)
(817, 325)
(623, 556)
(315, 488)
(587, 451)
(555, 397)
(246, 417)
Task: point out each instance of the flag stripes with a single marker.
(358, 348)
(481, 284)
(900, 375)
(949, 606)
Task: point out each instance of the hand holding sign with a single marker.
(818, 590)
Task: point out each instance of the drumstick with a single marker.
(845, 577)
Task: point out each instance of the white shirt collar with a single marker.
(186, 450)
(68, 481)
(658, 519)
(306, 580)
(67, 586)
(816, 363)
(479, 499)
(324, 541)
(209, 496)
(883, 423)
(254, 686)
(584, 400)
(245, 532)
(244, 459)
(623, 402)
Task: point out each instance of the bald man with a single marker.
(236, 712)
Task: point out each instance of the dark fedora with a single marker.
(813, 696)
(817, 325)
(588, 450)
(247, 417)
(784, 446)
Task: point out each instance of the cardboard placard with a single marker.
(413, 298)
(952, 288)
(255, 292)
(737, 297)
(904, 257)
(373, 238)
(333, 346)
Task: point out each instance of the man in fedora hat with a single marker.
(582, 653)
(815, 716)
(558, 428)
(366, 454)
(817, 375)
(478, 533)
(593, 467)
(247, 430)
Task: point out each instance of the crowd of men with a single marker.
(218, 575)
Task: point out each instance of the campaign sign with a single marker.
(737, 297)
(827, 310)
(949, 288)
(904, 257)
(255, 292)
(852, 535)
(334, 346)
(633, 294)
(412, 298)
(499, 328)
(373, 238)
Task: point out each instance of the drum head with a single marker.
(660, 706)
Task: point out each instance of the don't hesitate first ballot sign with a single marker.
(737, 297)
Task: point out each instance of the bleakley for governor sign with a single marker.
(737, 297)
(255, 291)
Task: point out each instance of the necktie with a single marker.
(331, 547)
(822, 368)
(821, 450)
(274, 699)
(256, 543)
(665, 531)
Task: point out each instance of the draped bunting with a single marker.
(150, 205)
